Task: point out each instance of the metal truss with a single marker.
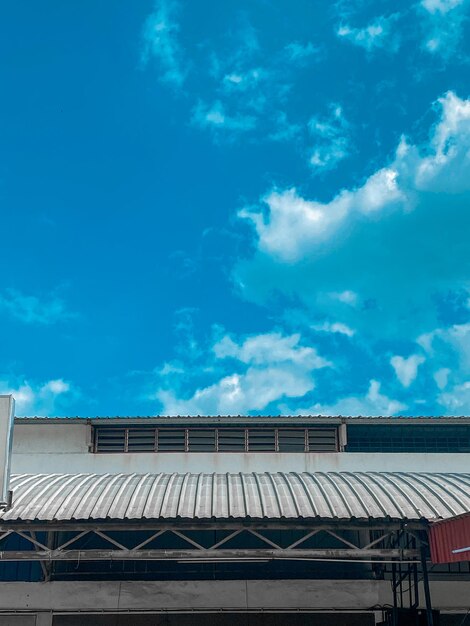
(386, 544)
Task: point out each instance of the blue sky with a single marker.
(235, 208)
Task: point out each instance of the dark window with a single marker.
(408, 438)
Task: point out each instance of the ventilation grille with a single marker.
(151, 439)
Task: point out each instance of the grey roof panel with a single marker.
(327, 495)
(246, 420)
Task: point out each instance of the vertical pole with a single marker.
(427, 593)
(394, 587)
(415, 577)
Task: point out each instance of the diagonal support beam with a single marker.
(300, 541)
(342, 539)
(267, 541)
(31, 539)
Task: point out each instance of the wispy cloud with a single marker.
(215, 118)
(331, 136)
(442, 24)
(441, 6)
(372, 403)
(335, 327)
(284, 130)
(33, 310)
(239, 87)
(377, 34)
(161, 43)
(302, 52)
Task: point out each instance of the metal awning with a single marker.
(320, 495)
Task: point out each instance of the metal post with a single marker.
(394, 588)
(427, 593)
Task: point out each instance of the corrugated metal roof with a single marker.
(47, 497)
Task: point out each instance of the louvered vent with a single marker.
(152, 439)
(321, 439)
(291, 440)
(201, 440)
(231, 440)
(261, 440)
(110, 439)
(171, 440)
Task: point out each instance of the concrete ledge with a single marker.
(74, 461)
(236, 595)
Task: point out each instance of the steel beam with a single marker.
(202, 555)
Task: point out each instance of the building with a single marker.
(233, 520)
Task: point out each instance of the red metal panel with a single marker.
(450, 540)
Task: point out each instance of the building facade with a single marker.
(266, 520)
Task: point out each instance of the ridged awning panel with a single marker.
(331, 495)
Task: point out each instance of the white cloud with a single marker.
(269, 348)
(42, 399)
(299, 52)
(442, 26)
(335, 327)
(441, 6)
(377, 34)
(284, 130)
(243, 81)
(446, 168)
(331, 135)
(449, 349)
(347, 297)
(293, 227)
(269, 367)
(216, 118)
(373, 403)
(441, 377)
(161, 42)
(240, 393)
(406, 370)
(455, 338)
(457, 400)
(32, 310)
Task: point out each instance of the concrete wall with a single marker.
(202, 619)
(46, 438)
(233, 595)
(216, 619)
(64, 448)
